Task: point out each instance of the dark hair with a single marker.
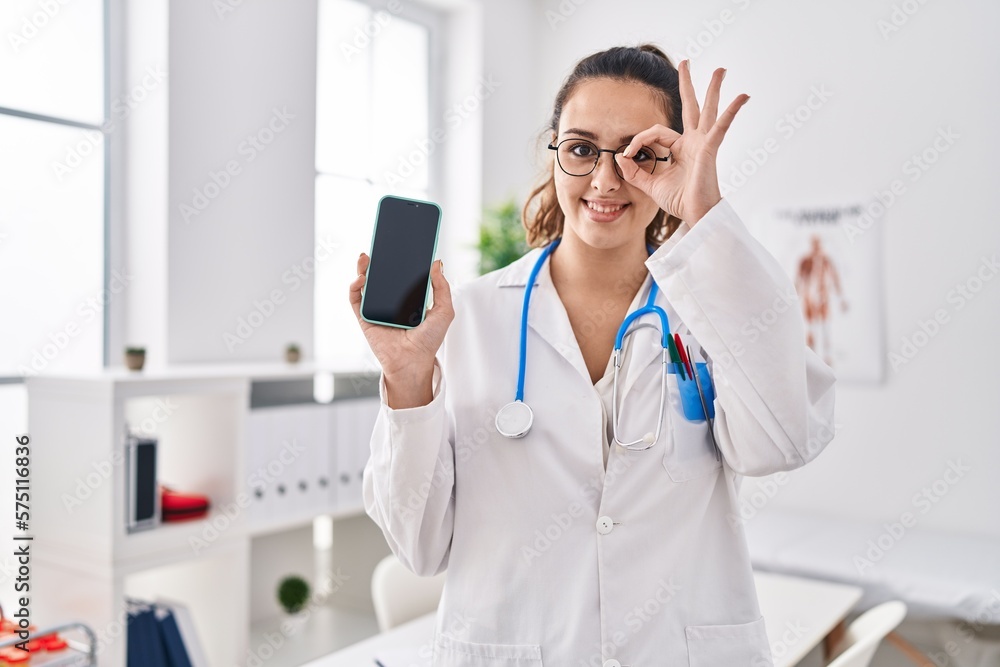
(645, 64)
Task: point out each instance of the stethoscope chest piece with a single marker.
(514, 419)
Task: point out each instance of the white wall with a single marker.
(514, 116)
(890, 97)
(233, 74)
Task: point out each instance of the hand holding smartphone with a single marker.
(398, 283)
(390, 294)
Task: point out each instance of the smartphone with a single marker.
(398, 280)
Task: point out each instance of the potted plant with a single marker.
(135, 357)
(292, 353)
(293, 594)
(501, 237)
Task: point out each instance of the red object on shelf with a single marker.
(12, 655)
(177, 506)
(52, 642)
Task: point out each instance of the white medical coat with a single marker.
(551, 558)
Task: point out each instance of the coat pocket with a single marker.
(451, 652)
(690, 452)
(740, 645)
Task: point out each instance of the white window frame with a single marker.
(108, 43)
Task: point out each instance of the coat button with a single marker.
(604, 526)
(612, 663)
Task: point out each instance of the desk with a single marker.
(798, 614)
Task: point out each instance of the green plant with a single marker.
(292, 347)
(135, 350)
(293, 593)
(501, 237)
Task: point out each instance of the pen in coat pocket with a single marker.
(685, 358)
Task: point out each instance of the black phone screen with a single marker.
(402, 252)
(145, 480)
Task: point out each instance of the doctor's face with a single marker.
(601, 208)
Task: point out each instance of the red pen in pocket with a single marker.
(684, 357)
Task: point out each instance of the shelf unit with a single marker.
(84, 561)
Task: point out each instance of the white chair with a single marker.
(400, 595)
(863, 636)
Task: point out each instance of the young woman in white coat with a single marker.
(562, 547)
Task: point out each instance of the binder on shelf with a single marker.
(297, 443)
(161, 634)
(170, 636)
(312, 466)
(258, 438)
(279, 465)
(322, 495)
(353, 422)
(185, 627)
(288, 462)
(144, 648)
(343, 432)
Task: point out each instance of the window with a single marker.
(53, 189)
(373, 104)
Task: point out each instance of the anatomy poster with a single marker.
(834, 257)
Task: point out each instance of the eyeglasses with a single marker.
(578, 157)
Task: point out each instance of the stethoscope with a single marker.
(514, 419)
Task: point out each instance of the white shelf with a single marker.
(300, 519)
(86, 560)
(199, 372)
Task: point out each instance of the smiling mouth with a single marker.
(604, 208)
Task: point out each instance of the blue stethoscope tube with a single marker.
(514, 419)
